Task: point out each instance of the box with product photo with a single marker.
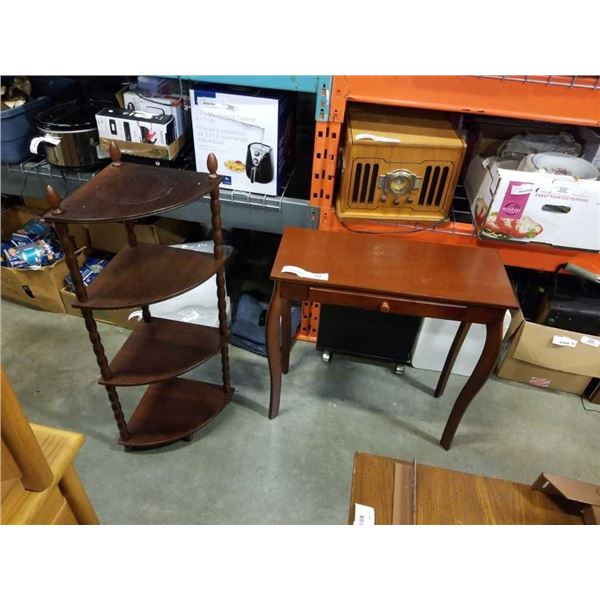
(548, 357)
(523, 207)
(133, 100)
(138, 133)
(251, 135)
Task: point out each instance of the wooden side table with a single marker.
(469, 285)
(403, 493)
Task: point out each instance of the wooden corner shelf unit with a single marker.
(158, 351)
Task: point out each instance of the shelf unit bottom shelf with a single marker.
(173, 410)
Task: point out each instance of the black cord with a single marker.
(588, 409)
(417, 230)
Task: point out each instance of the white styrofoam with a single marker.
(434, 341)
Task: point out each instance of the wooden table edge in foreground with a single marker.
(290, 287)
(406, 493)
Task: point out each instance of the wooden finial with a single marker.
(115, 154)
(53, 200)
(213, 165)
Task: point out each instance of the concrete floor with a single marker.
(244, 468)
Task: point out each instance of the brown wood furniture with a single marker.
(40, 485)
(391, 275)
(403, 493)
(158, 351)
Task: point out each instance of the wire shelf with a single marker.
(590, 82)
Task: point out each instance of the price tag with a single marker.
(363, 514)
(590, 341)
(563, 340)
(305, 274)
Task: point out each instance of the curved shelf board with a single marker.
(173, 410)
(146, 274)
(160, 350)
(132, 191)
(540, 99)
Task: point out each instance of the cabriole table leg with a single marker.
(273, 335)
(482, 371)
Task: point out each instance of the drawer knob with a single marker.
(384, 308)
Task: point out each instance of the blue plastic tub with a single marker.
(18, 124)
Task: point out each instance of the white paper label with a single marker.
(376, 138)
(590, 341)
(305, 274)
(363, 515)
(563, 340)
(521, 190)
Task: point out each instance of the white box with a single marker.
(525, 207)
(135, 126)
(434, 341)
(251, 136)
(173, 107)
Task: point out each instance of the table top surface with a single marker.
(446, 497)
(132, 191)
(392, 266)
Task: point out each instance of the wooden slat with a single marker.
(20, 440)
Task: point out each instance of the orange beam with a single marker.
(471, 94)
(526, 255)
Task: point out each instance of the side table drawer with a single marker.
(387, 304)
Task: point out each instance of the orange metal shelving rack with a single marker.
(559, 99)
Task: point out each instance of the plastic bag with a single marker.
(519, 146)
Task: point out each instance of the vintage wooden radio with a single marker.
(398, 165)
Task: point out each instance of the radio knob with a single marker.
(384, 308)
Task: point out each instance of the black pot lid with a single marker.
(71, 116)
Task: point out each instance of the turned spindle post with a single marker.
(115, 154)
(215, 209)
(68, 248)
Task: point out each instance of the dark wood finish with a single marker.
(390, 266)
(146, 274)
(457, 343)
(273, 338)
(132, 191)
(215, 208)
(482, 370)
(173, 410)
(115, 154)
(161, 350)
(140, 275)
(392, 275)
(90, 324)
(131, 237)
(286, 335)
(445, 497)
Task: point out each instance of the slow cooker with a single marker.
(69, 135)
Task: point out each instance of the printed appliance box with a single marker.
(251, 135)
(139, 133)
(173, 107)
(548, 357)
(533, 207)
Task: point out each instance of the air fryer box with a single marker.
(250, 133)
(526, 207)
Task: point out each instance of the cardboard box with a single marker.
(533, 356)
(38, 288)
(139, 133)
(117, 317)
(111, 237)
(251, 135)
(526, 207)
(171, 106)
